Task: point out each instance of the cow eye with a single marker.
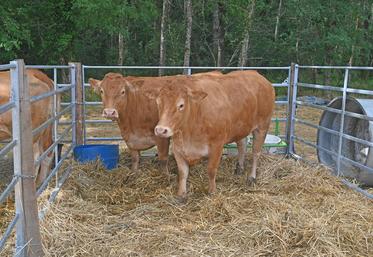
(180, 107)
(123, 92)
(101, 91)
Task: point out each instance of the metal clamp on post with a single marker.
(24, 176)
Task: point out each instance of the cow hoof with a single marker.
(181, 200)
(251, 181)
(238, 171)
(211, 194)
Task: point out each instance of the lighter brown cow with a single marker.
(136, 114)
(203, 114)
(39, 83)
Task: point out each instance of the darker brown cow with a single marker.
(136, 114)
(203, 114)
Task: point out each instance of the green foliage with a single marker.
(323, 32)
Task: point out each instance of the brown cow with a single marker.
(203, 114)
(40, 111)
(135, 113)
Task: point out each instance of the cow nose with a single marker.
(162, 131)
(110, 113)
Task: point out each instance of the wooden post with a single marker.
(79, 101)
(28, 239)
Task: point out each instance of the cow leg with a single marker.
(241, 146)
(212, 166)
(36, 151)
(183, 168)
(135, 159)
(162, 147)
(45, 167)
(258, 141)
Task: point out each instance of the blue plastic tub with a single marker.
(109, 154)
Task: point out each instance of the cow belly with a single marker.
(138, 142)
(192, 153)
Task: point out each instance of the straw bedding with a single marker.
(294, 210)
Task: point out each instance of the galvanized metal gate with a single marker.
(27, 215)
(337, 142)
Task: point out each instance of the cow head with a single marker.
(113, 90)
(174, 107)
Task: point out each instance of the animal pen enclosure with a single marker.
(77, 123)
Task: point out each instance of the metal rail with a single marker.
(7, 66)
(182, 67)
(8, 189)
(50, 93)
(6, 107)
(8, 231)
(335, 67)
(45, 183)
(51, 147)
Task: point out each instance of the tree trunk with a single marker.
(189, 15)
(120, 49)
(246, 40)
(65, 73)
(278, 19)
(162, 52)
(353, 44)
(297, 50)
(218, 35)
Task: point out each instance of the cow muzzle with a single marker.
(162, 131)
(110, 113)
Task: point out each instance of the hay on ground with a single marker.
(294, 210)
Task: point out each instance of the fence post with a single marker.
(79, 101)
(292, 97)
(28, 239)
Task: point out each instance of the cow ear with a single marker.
(128, 86)
(197, 95)
(152, 94)
(95, 84)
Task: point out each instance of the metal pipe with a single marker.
(8, 231)
(104, 138)
(330, 109)
(50, 148)
(73, 102)
(323, 87)
(7, 107)
(334, 88)
(182, 67)
(336, 67)
(8, 147)
(357, 188)
(55, 192)
(55, 120)
(306, 142)
(53, 172)
(48, 94)
(48, 66)
(7, 66)
(83, 107)
(341, 127)
(8, 189)
(50, 120)
(292, 103)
